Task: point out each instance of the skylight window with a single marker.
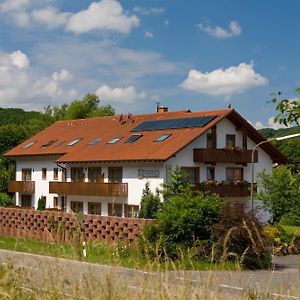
(162, 137)
(72, 143)
(133, 138)
(59, 143)
(49, 143)
(95, 141)
(28, 145)
(115, 140)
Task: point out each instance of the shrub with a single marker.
(150, 204)
(291, 219)
(41, 203)
(239, 236)
(5, 200)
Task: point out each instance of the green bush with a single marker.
(291, 219)
(239, 236)
(150, 204)
(41, 203)
(5, 200)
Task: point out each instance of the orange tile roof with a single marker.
(110, 127)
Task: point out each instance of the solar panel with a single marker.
(174, 123)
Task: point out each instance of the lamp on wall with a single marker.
(252, 161)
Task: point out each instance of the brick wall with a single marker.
(64, 227)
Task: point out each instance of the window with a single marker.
(230, 141)
(234, 174)
(162, 137)
(59, 143)
(210, 173)
(192, 174)
(94, 208)
(76, 207)
(44, 173)
(26, 174)
(115, 140)
(55, 202)
(77, 174)
(209, 141)
(115, 209)
(63, 204)
(49, 143)
(55, 174)
(95, 174)
(26, 201)
(28, 145)
(115, 174)
(133, 138)
(131, 211)
(95, 141)
(72, 143)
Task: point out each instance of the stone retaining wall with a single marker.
(55, 226)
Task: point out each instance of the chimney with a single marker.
(162, 109)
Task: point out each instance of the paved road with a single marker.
(67, 275)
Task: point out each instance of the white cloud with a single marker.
(121, 95)
(16, 12)
(271, 124)
(224, 82)
(147, 11)
(19, 59)
(50, 17)
(106, 15)
(148, 34)
(221, 33)
(13, 5)
(62, 75)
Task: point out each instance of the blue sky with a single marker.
(194, 54)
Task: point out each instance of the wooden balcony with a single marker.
(224, 156)
(228, 190)
(25, 187)
(89, 189)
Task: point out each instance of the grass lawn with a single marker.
(103, 253)
(292, 230)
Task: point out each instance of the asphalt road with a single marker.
(68, 275)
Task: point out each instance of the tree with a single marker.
(150, 203)
(281, 192)
(288, 110)
(5, 199)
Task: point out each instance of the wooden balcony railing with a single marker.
(228, 190)
(89, 189)
(224, 156)
(26, 187)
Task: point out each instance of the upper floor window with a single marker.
(234, 174)
(77, 174)
(44, 173)
(55, 174)
(115, 174)
(95, 174)
(209, 143)
(26, 174)
(230, 140)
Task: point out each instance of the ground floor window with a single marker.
(77, 207)
(115, 209)
(131, 211)
(94, 208)
(234, 174)
(26, 201)
(63, 203)
(55, 202)
(192, 174)
(210, 173)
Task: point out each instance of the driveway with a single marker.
(67, 275)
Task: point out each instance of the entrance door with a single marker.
(115, 174)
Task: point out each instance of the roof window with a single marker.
(133, 138)
(95, 141)
(28, 145)
(49, 143)
(59, 143)
(163, 137)
(115, 140)
(75, 141)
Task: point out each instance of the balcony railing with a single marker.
(227, 190)
(25, 187)
(224, 155)
(89, 189)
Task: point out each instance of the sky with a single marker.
(196, 54)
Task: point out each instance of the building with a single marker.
(101, 165)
